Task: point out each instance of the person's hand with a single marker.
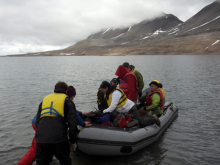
(88, 124)
(142, 108)
(85, 113)
(73, 147)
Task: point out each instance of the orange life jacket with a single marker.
(162, 98)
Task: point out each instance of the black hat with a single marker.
(126, 64)
(114, 80)
(155, 82)
(105, 84)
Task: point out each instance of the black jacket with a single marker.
(55, 129)
(102, 103)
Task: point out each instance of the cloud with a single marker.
(31, 26)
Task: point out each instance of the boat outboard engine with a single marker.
(142, 101)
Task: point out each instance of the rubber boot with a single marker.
(156, 119)
(150, 113)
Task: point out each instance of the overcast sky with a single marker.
(42, 25)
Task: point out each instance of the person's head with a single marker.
(71, 92)
(154, 85)
(114, 82)
(105, 86)
(126, 65)
(61, 85)
(121, 71)
(132, 67)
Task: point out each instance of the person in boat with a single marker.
(155, 99)
(142, 99)
(102, 103)
(29, 157)
(56, 126)
(118, 101)
(128, 83)
(138, 75)
(114, 82)
(71, 92)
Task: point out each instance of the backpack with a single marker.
(124, 121)
(99, 117)
(103, 118)
(107, 123)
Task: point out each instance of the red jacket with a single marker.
(130, 81)
(29, 157)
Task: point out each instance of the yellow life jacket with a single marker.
(163, 92)
(53, 105)
(98, 100)
(121, 101)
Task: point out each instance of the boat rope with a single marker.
(166, 107)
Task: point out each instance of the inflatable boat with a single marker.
(114, 141)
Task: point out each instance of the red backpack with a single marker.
(124, 121)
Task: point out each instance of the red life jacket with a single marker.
(162, 99)
(124, 85)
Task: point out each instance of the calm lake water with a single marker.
(191, 82)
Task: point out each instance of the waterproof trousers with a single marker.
(29, 157)
(144, 121)
(45, 152)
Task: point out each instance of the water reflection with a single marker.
(191, 82)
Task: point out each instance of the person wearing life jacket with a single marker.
(101, 101)
(118, 101)
(29, 157)
(138, 75)
(56, 126)
(129, 83)
(102, 104)
(114, 82)
(156, 98)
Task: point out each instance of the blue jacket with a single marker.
(79, 119)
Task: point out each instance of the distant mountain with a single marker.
(163, 35)
(206, 19)
(139, 31)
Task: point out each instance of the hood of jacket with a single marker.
(121, 71)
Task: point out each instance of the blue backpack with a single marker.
(103, 118)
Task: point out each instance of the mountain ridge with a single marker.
(163, 35)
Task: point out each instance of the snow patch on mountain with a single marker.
(117, 36)
(202, 24)
(106, 31)
(215, 42)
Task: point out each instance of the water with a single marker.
(191, 82)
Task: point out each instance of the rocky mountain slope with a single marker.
(164, 35)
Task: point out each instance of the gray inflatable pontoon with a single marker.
(114, 141)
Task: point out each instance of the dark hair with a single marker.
(110, 90)
(126, 64)
(114, 80)
(105, 84)
(160, 85)
(61, 85)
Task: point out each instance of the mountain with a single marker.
(136, 32)
(163, 35)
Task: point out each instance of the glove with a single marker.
(142, 108)
(73, 147)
